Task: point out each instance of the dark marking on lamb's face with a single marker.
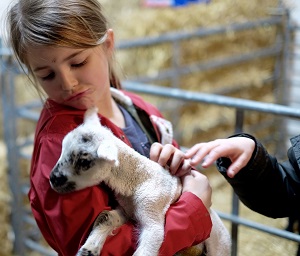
(71, 158)
(87, 252)
(57, 179)
(60, 182)
(81, 161)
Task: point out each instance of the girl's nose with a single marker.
(68, 81)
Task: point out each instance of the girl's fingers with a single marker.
(155, 151)
(184, 169)
(178, 163)
(167, 155)
(171, 158)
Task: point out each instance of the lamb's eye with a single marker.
(86, 138)
(85, 154)
(83, 162)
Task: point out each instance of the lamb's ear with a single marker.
(91, 116)
(108, 151)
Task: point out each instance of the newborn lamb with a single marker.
(91, 154)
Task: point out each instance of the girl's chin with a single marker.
(80, 105)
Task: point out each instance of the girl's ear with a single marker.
(110, 42)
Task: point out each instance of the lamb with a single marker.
(91, 154)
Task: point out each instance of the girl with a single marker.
(68, 48)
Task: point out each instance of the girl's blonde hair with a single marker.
(60, 23)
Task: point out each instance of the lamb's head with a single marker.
(87, 156)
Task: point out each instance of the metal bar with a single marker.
(267, 229)
(10, 135)
(29, 220)
(201, 32)
(220, 100)
(214, 64)
(28, 114)
(234, 226)
(239, 123)
(198, 97)
(39, 248)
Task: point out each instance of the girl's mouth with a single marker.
(77, 95)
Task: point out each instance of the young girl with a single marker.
(68, 49)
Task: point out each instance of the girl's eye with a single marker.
(48, 77)
(78, 65)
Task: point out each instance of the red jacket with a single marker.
(66, 220)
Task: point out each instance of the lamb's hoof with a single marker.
(86, 252)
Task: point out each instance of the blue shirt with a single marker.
(134, 133)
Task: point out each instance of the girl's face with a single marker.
(77, 78)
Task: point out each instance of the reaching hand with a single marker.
(171, 158)
(238, 149)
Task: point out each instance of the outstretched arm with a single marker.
(238, 149)
(261, 182)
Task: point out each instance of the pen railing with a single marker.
(26, 235)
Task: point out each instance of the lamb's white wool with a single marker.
(92, 154)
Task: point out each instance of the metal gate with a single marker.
(26, 234)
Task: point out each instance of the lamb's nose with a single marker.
(57, 181)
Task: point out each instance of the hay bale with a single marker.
(197, 121)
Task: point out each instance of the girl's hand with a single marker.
(198, 184)
(238, 149)
(171, 158)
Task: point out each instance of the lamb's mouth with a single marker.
(67, 187)
(61, 184)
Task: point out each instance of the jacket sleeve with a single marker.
(187, 218)
(66, 220)
(187, 223)
(265, 185)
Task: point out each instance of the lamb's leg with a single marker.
(104, 224)
(219, 242)
(151, 237)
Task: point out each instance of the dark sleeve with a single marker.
(265, 185)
